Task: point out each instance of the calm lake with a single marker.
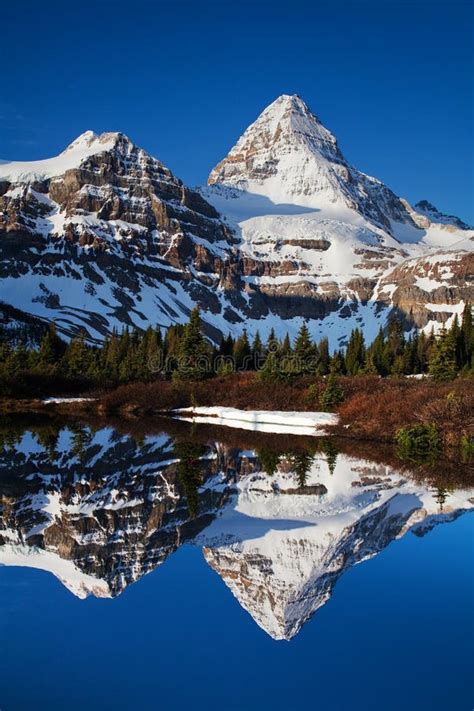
(169, 566)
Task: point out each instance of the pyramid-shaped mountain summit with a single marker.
(289, 156)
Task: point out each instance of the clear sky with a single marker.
(393, 79)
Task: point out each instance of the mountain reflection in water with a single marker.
(278, 519)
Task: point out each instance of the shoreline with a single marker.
(372, 410)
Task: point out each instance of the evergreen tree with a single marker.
(442, 365)
(194, 351)
(78, 358)
(226, 347)
(440, 496)
(242, 352)
(423, 352)
(257, 351)
(272, 345)
(355, 353)
(376, 356)
(269, 460)
(48, 438)
(51, 350)
(408, 359)
(286, 346)
(80, 441)
(324, 359)
(395, 346)
(270, 371)
(305, 352)
(111, 356)
(152, 352)
(337, 363)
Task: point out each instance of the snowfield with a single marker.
(279, 422)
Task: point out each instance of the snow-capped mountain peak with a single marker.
(286, 154)
(86, 139)
(83, 147)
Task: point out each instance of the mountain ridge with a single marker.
(105, 236)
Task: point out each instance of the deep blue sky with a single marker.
(392, 79)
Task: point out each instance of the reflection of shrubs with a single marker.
(419, 443)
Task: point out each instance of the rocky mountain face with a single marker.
(99, 511)
(287, 230)
(104, 235)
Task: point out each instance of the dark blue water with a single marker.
(358, 570)
(396, 634)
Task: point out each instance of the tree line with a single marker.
(183, 352)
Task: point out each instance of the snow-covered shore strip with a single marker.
(60, 400)
(274, 421)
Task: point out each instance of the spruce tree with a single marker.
(52, 349)
(442, 365)
(257, 351)
(286, 346)
(305, 352)
(242, 352)
(395, 345)
(355, 353)
(194, 351)
(226, 347)
(330, 450)
(272, 345)
(423, 352)
(78, 357)
(324, 359)
(269, 460)
(189, 456)
(337, 363)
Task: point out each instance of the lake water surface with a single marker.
(176, 567)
